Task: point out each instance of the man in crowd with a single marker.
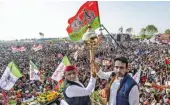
(124, 89)
(74, 91)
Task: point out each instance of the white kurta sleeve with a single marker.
(76, 91)
(134, 96)
(104, 75)
(63, 102)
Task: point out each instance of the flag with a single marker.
(88, 14)
(167, 61)
(41, 34)
(18, 49)
(59, 72)
(136, 77)
(76, 55)
(37, 47)
(34, 72)
(10, 76)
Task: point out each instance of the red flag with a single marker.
(167, 61)
(88, 14)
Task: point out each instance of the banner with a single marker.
(18, 49)
(37, 47)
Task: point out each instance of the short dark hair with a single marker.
(122, 59)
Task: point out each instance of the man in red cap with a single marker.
(74, 91)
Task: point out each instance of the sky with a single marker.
(21, 19)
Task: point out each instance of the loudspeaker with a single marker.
(118, 37)
(128, 38)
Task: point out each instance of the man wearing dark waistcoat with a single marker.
(74, 91)
(124, 90)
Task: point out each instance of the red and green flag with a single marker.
(88, 14)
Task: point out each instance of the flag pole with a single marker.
(111, 36)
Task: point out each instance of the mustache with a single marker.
(119, 74)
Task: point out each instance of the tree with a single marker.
(167, 32)
(129, 30)
(143, 32)
(151, 29)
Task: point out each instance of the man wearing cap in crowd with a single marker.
(124, 89)
(74, 91)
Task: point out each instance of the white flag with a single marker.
(76, 55)
(10, 76)
(136, 77)
(34, 72)
(59, 72)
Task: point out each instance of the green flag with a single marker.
(10, 76)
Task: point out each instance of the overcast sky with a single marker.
(26, 18)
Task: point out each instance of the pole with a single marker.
(111, 36)
(92, 61)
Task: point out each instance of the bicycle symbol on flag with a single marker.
(84, 18)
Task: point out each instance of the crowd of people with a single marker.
(147, 57)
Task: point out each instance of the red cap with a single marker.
(70, 68)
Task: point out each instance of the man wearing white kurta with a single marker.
(121, 94)
(74, 91)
